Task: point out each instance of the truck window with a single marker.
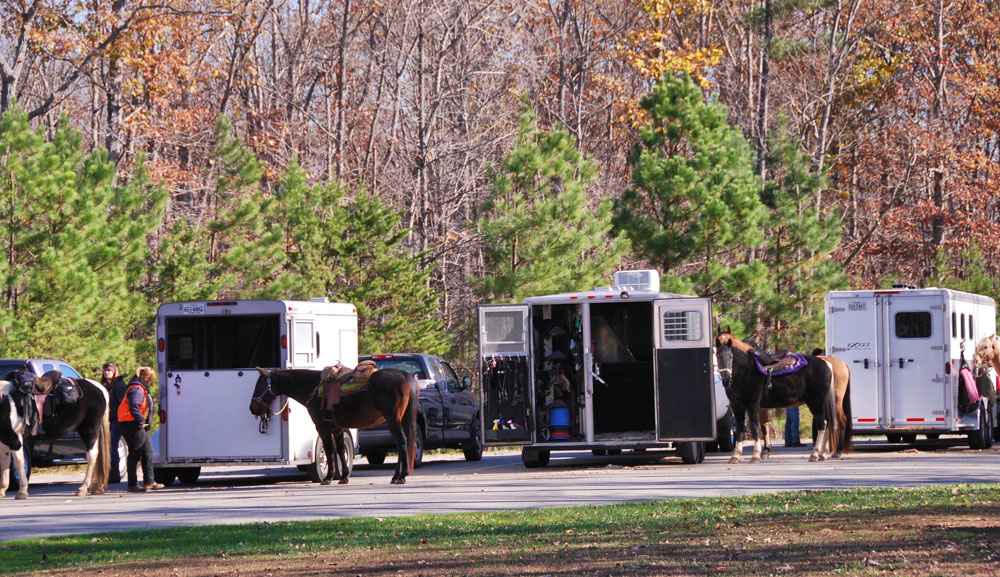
(449, 376)
(913, 325)
(216, 342)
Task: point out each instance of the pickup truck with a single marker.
(449, 414)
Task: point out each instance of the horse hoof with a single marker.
(342, 481)
(81, 493)
(733, 461)
(325, 482)
(97, 492)
(754, 460)
(399, 481)
(813, 458)
(21, 496)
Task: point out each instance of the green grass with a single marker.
(511, 529)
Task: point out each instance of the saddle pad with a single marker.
(351, 388)
(786, 365)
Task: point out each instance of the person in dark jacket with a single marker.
(134, 412)
(112, 380)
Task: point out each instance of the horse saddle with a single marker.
(53, 390)
(784, 364)
(337, 380)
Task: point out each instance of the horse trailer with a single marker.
(207, 354)
(620, 367)
(905, 348)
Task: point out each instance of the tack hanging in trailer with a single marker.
(620, 367)
(906, 349)
(207, 358)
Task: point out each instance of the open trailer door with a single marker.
(685, 395)
(505, 380)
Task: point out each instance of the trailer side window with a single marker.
(954, 326)
(682, 325)
(971, 334)
(913, 325)
(961, 322)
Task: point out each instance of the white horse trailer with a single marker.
(905, 348)
(621, 367)
(207, 354)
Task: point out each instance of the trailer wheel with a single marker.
(977, 438)
(534, 459)
(165, 476)
(599, 452)
(894, 438)
(188, 475)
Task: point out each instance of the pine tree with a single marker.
(540, 235)
(694, 209)
(74, 247)
(350, 250)
(798, 241)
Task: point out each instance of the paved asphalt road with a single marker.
(446, 484)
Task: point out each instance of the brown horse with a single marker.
(391, 396)
(842, 388)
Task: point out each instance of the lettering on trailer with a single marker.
(858, 346)
(193, 309)
(857, 306)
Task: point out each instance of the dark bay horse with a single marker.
(749, 391)
(392, 396)
(89, 417)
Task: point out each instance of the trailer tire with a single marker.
(165, 476)
(977, 438)
(894, 439)
(188, 475)
(598, 452)
(534, 459)
(909, 438)
(691, 452)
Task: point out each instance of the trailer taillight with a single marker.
(285, 413)
(947, 368)
(284, 341)
(163, 416)
(160, 344)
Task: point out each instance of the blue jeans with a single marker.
(116, 435)
(792, 426)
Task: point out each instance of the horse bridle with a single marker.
(265, 399)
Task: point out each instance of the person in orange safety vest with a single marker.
(134, 412)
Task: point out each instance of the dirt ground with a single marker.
(946, 544)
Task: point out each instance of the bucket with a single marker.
(559, 423)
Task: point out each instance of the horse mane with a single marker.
(737, 343)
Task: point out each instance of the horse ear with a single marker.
(729, 329)
(263, 372)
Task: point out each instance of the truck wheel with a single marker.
(727, 432)
(473, 448)
(375, 457)
(691, 452)
(419, 459)
(123, 460)
(188, 475)
(164, 476)
(534, 459)
(977, 438)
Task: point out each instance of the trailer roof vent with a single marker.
(638, 280)
(319, 300)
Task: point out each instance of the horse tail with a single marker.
(103, 464)
(410, 421)
(847, 444)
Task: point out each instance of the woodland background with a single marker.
(420, 157)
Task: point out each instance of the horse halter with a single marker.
(265, 399)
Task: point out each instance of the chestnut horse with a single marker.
(391, 396)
